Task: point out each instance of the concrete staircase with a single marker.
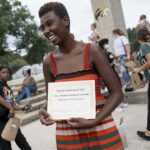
(37, 99)
(136, 97)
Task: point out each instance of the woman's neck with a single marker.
(4, 82)
(68, 45)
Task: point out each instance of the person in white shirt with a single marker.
(122, 51)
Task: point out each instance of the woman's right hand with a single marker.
(45, 118)
(11, 112)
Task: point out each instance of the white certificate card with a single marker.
(72, 99)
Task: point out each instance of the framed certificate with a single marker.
(72, 99)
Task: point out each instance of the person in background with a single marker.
(28, 87)
(95, 37)
(45, 54)
(143, 37)
(143, 23)
(122, 51)
(76, 61)
(104, 45)
(7, 108)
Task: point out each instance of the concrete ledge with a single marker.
(29, 117)
(138, 96)
(34, 99)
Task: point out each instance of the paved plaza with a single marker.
(43, 138)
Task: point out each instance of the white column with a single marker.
(115, 18)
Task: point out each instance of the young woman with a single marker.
(7, 107)
(74, 61)
(144, 38)
(95, 37)
(104, 45)
(122, 51)
(29, 86)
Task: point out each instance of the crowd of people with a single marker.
(92, 62)
(123, 54)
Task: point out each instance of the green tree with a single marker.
(14, 61)
(38, 49)
(19, 32)
(132, 34)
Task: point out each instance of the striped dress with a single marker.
(104, 136)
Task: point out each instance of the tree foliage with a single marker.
(19, 32)
(38, 49)
(132, 34)
(14, 61)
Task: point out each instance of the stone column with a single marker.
(112, 17)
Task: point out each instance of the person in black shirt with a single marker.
(7, 107)
(104, 45)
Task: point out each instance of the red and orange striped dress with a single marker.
(104, 136)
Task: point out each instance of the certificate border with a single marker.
(92, 112)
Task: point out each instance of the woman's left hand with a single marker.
(128, 57)
(136, 70)
(81, 123)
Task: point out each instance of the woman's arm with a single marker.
(115, 57)
(145, 66)
(102, 66)
(48, 77)
(7, 105)
(128, 51)
(105, 71)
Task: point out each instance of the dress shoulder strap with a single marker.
(54, 68)
(86, 56)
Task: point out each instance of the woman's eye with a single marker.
(49, 24)
(42, 28)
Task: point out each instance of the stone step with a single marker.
(16, 88)
(34, 99)
(138, 96)
(28, 117)
(37, 105)
(39, 90)
(18, 82)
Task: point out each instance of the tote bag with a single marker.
(11, 129)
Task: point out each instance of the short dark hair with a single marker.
(142, 17)
(118, 31)
(94, 25)
(102, 42)
(29, 72)
(59, 9)
(143, 35)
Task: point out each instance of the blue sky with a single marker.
(81, 14)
